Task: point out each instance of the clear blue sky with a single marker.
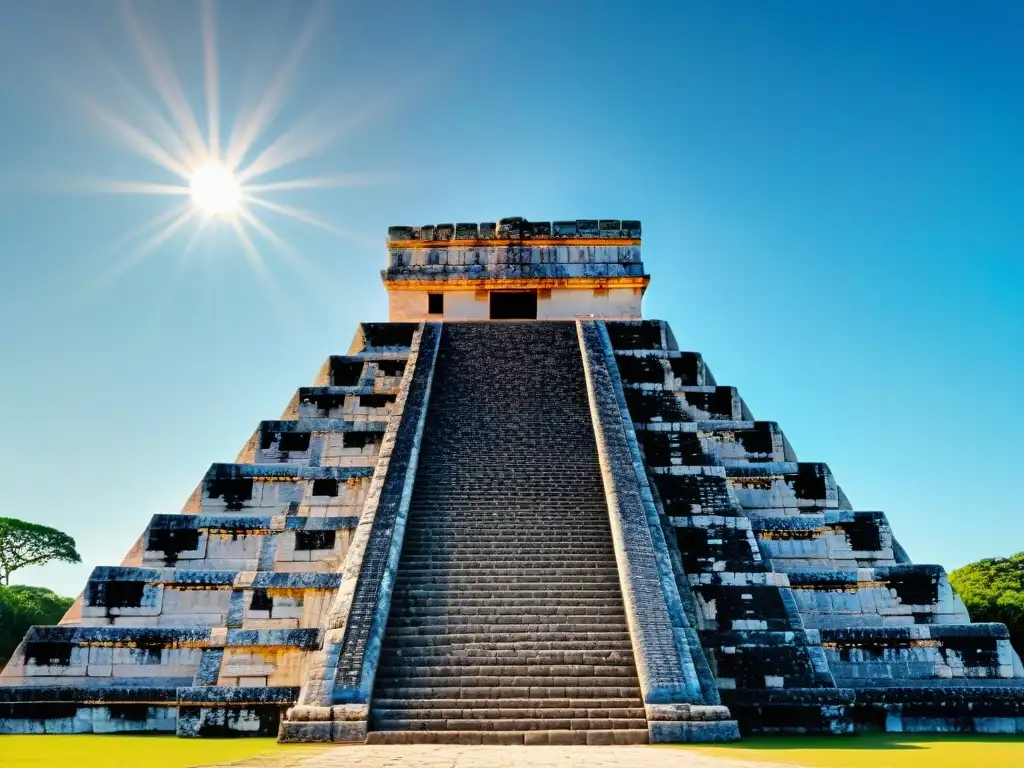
(830, 193)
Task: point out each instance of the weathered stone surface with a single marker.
(771, 550)
(507, 617)
(603, 547)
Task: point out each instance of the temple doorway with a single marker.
(513, 305)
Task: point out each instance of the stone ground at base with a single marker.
(454, 756)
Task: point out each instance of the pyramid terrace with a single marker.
(516, 513)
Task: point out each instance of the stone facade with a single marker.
(215, 619)
(810, 615)
(582, 268)
(540, 524)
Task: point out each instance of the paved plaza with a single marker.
(455, 756)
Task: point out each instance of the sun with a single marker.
(215, 190)
(221, 177)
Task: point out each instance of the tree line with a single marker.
(23, 544)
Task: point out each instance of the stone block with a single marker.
(693, 732)
(349, 731)
(306, 731)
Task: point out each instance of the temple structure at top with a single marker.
(516, 513)
(516, 270)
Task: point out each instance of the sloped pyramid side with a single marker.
(810, 614)
(206, 626)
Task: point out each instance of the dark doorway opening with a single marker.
(435, 303)
(513, 305)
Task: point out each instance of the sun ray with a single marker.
(184, 215)
(201, 225)
(251, 252)
(302, 140)
(137, 141)
(278, 298)
(181, 265)
(257, 223)
(318, 282)
(166, 82)
(163, 132)
(299, 214)
(150, 223)
(212, 76)
(248, 129)
(299, 142)
(321, 182)
(167, 131)
(122, 187)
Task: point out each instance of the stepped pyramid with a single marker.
(516, 513)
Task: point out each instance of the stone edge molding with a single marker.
(316, 717)
(676, 709)
(515, 229)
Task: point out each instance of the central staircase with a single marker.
(507, 623)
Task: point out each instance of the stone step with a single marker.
(578, 525)
(510, 627)
(533, 738)
(527, 581)
(426, 689)
(554, 507)
(520, 606)
(508, 724)
(446, 666)
(458, 522)
(558, 632)
(507, 704)
(417, 602)
(502, 548)
(432, 595)
(535, 542)
(570, 639)
(509, 566)
(513, 496)
(484, 620)
(525, 470)
(548, 542)
(489, 487)
(491, 713)
(440, 582)
(565, 632)
(452, 518)
(524, 473)
(507, 595)
(476, 656)
(506, 503)
(417, 646)
(526, 531)
(507, 560)
(498, 571)
(479, 677)
(512, 538)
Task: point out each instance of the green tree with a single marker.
(993, 590)
(23, 607)
(23, 544)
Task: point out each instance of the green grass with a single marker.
(881, 750)
(118, 751)
(866, 751)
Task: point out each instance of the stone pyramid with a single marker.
(516, 513)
